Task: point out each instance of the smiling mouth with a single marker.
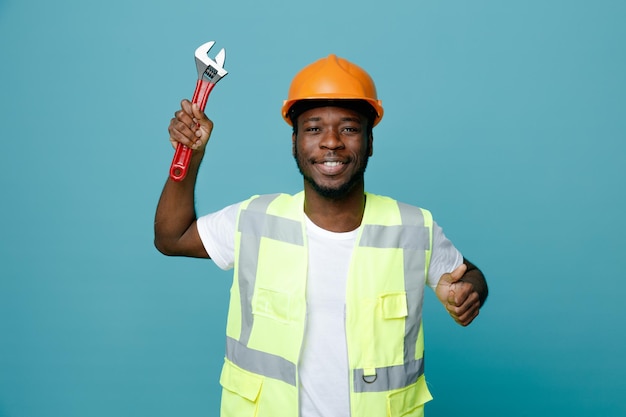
(331, 168)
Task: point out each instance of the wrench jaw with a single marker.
(212, 73)
(208, 69)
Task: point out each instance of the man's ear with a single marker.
(370, 144)
(293, 144)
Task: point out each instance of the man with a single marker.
(326, 304)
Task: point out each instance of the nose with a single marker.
(331, 139)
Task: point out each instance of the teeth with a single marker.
(332, 164)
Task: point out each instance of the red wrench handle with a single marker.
(180, 163)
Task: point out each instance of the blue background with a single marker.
(505, 118)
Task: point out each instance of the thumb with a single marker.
(455, 275)
(203, 123)
(458, 273)
(446, 281)
(197, 113)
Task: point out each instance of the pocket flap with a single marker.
(241, 382)
(394, 305)
(273, 304)
(408, 399)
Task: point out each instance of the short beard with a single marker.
(338, 192)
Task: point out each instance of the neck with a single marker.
(342, 214)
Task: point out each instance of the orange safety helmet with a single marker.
(332, 78)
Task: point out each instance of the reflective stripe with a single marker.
(261, 363)
(272, 227)
(248, 260)
(401, 237)
(390, 377)
(414, 239)
(414, 271)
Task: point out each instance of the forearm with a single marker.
(474, 276)
(176, 215)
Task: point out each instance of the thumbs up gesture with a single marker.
(459, 297)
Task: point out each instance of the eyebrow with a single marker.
(351, 119)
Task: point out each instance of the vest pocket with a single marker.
(272, 304)
(241, 391)
(409, 401)
(394, 306)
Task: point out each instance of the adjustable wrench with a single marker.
(209, 73)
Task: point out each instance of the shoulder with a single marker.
(266, 199)
(407, 213)
(386, 200)
(289, 205)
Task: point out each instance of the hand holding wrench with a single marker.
(209, 73)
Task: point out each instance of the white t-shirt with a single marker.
(323, 367)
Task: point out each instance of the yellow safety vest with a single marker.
(384, 294)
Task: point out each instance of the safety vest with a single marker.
(384, 294)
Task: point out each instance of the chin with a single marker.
(333, 192)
